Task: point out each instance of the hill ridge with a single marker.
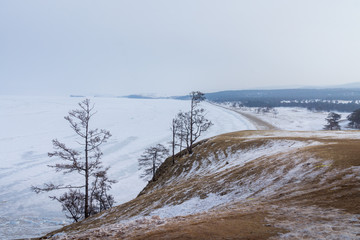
(269, 175)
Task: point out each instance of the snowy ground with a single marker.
(282, 170)
(28, 124)
(296, 119)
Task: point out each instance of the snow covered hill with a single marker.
(250, 184)
(28, 124)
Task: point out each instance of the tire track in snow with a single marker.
(257, 122)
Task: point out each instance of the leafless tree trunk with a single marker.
(181, 133)
(196, 98)
(193, 123)
(151, 160)
(177, 134)
(174, 130)
(87, 163)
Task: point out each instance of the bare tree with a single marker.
(92, 197)
(181, 133)
(332, 121)
(151, 160)
(99, 192)
(193, 123)
(175, 127)
(195, 97)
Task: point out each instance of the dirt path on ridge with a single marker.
(257, 122)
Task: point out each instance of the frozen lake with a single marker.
(28, 125)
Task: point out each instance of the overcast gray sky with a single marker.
(172, 47)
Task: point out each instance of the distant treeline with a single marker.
(311, 105)
(342, 100)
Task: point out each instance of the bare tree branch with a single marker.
(193, 123)
(151, 159)
(80, 201)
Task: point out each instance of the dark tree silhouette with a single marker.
(151, 160)
(332, 121)
(354, 119)
(92, 197)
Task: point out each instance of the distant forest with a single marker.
(341, 100)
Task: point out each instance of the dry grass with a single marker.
(232, 225)
(338, 191)
(327, 181)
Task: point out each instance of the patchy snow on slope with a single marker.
(28, 125)
(291, 169)
(303, 223)
(193, 206)
(116, 231)
(240, 158)
(265, 185)
(220, 161)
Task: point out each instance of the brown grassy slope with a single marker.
(291, 171)
(227, 225)
(338, 191)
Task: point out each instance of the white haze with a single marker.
(173, 47)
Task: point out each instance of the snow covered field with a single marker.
(296, 119)
(28, 124)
